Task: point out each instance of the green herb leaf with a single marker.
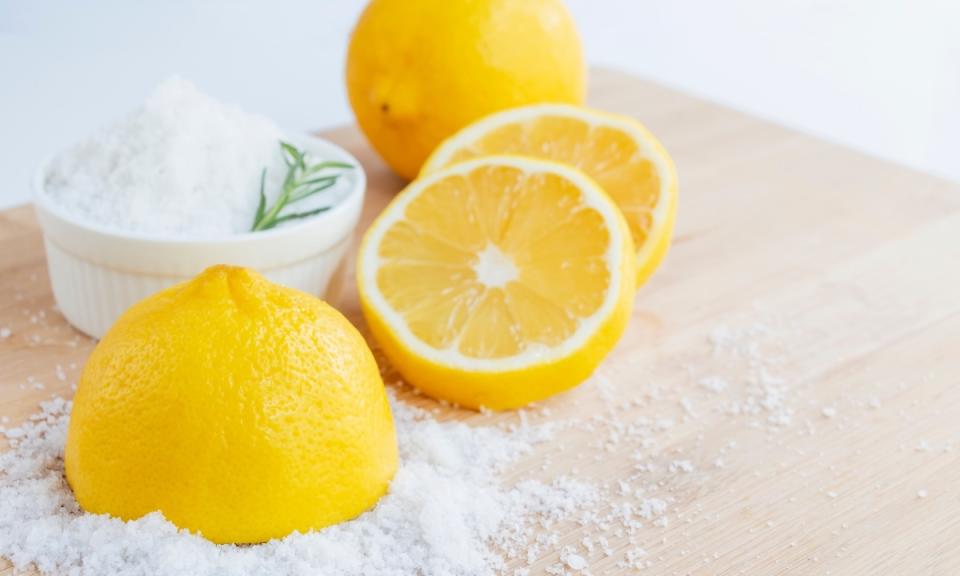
(329, 164)
(297, 215)
(297, 185)
(305, 191)
(291, 155)
(262, 205)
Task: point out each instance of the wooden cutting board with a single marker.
(820, 285)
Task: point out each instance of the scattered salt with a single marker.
(5, 333)
(447, 512)
(922, 494)
(575, 562)
(714, 384)
(722, 338)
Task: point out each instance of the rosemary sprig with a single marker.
(302, 181)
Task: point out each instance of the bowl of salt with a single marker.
(183, 183)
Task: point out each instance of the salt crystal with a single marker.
(721, 337)
(922, 494)
(5, 333)
(575, 562)
(688, 407)
(714, 384)
(651, 508)
(829, 411)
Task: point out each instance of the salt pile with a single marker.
(447, 512)
(184, 164)
(632, 463)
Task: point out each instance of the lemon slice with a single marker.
(616, 151)
(498, 281)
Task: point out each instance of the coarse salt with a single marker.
(575, 562)
(447, 512)
(714, 384)
(182, 165)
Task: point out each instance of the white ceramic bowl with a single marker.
(97, 273)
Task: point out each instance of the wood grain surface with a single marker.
(822, 286)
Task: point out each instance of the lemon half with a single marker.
(238, 408)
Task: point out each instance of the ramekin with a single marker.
(97, 273)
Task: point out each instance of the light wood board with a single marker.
(843, 270)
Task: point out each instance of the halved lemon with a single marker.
(498, 281)
(616, 151)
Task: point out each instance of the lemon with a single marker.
(419, 70)
(618, 152)
(238, 408)
(498, 281)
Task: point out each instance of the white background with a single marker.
(880, 75)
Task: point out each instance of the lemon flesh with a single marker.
(499, 281)
(618, 152)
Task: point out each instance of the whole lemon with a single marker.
(419, 70)
(238, 408)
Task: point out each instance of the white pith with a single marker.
(533, 354)
(494, 268)
(645, 141)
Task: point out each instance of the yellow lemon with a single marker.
(238, 408)
(616, 151)
(419, 70)
(498, 281)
